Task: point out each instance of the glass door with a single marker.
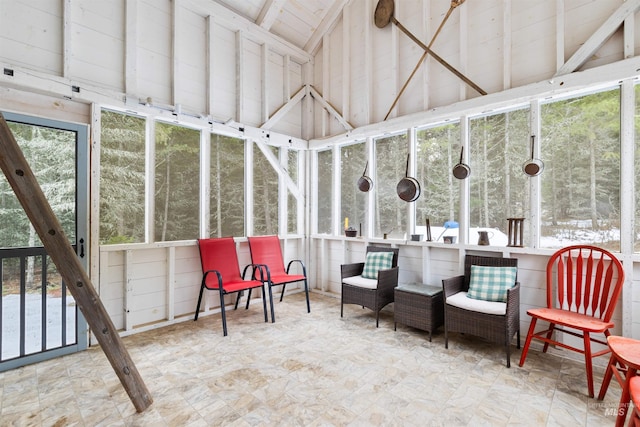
(38, 315)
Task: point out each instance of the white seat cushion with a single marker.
(461, 300)
(361, 282)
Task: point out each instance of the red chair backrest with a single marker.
(587, 280)
(220, 254)
(266, 250)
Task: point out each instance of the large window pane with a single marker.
(500, 145)
(581, 180)
(292, 202)
(177, 180)
(265, 194)
(122, 178)
(353, 159)
(226, 202)
(390, 211)
(440, 199)
(325, 196)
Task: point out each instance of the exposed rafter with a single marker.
(328, 22)
(599, 37)
(269, 13)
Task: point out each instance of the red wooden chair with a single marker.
(634, 391)
(221, 272)
(266, 251)
(583, 286)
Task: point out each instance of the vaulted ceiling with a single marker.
(299, 22)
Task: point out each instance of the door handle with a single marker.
(81, 248)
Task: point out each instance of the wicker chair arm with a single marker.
(350, 270)
(388, 279)
(452, 285)
(513, 298)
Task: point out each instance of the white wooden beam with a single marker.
(346, 61)
(599, 37)
(239, 76)
(234, 22)
(326, 74)
(264, 78)
(67, 34)
(629, 36)
(330, 108)
(175, 60)
(284, 109)
(329, 21)
(131, 47)
(506, 44)
(559, 34)
(210, 55)
(269, 13)
(275, 164)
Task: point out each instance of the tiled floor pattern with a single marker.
(312, 369)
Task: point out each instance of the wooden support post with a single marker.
(37, 208)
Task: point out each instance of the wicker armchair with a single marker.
(373, 295)
(498, 328)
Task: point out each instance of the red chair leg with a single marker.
(546, 344)
(588, 361)
(608, 374)
(527, 342)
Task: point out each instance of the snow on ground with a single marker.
(33, 324)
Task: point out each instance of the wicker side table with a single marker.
(419, 306)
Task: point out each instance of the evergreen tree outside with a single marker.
(122, 178)
(177, 183)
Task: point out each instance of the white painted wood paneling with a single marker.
(154, 51)
(252, 83)
(96, 24)
(191, 59)
(223, 68)
(31, 34)
(533, 56)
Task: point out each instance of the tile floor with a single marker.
(312, 369)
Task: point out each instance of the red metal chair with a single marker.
(266, 251)
(221, 272)
(583, 286)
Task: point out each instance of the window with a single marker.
(122, 178)
(353, 160)
(325, 186)
(265, 194)
(581, 180)
(500, 145)
(391, 212)
(226, 181)
(177, 182)
(436, 156)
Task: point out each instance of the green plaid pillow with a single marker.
(376, 261)
(491, 283)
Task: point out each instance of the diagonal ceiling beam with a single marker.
(599, 37)
(285, 108)
(269, 13)
(328, 22)
(330, 108)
